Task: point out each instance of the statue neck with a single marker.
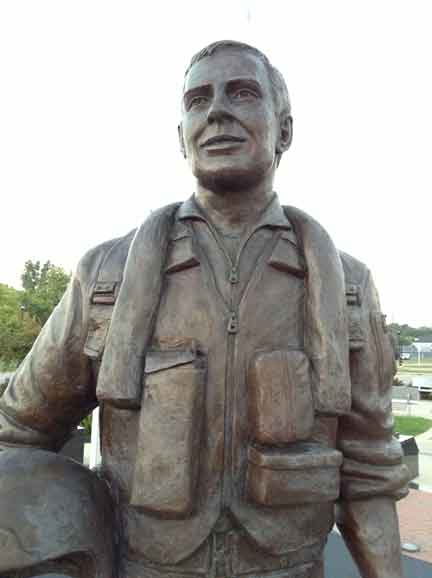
(233, 212)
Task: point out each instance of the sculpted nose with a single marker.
(218, 112)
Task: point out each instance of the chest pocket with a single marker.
(286, 255)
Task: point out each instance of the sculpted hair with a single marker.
(278, 85)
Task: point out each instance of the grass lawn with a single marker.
(412, 367)
(414, 370)
(411, 426)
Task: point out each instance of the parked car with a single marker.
(423, 383)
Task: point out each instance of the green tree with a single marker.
(43, 288)
(23, 313)
(18, 329)
(408, 334)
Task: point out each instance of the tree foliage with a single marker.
(18, 329)
(23, 313)
(407, 334)
(43, 287)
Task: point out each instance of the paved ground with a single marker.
(339, 564)
(424, 444)
(404, 391)
(415, 511)
(415, 522)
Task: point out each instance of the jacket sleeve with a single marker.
(372, 456)
(54, 387)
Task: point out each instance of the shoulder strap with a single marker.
(135, 312)
(326, 331)
(104, 295)
(106, 290)
(356, 277)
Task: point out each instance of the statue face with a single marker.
(230, 128)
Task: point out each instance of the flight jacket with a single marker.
(222, 411)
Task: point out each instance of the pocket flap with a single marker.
(286, 257)
(299, 456)
(290, 236)
(179, 231)
(159, 360)
(181, 254)
(302, 473)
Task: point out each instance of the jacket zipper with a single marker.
(230, 376)
(230, 387)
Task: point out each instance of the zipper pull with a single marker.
(233, 323)
(233, 276)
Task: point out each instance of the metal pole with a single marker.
(95, 455)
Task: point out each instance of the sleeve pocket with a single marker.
(385, 357)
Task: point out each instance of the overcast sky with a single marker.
(89, 105)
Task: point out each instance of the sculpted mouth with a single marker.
(221, 139)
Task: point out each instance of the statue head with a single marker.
(236, 117)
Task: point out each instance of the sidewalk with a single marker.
(415, 511)
(424, 441)
(424, 444)
(415, 523)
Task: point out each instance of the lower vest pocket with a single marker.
(301, 473)
(169, 434)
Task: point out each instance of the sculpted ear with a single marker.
(181, 140)
(285, 133)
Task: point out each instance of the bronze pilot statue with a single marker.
(242, 367)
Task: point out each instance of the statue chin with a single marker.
(230, 181)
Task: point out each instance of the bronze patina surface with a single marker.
(243, 370)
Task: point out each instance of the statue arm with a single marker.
(54, 387)
(373, 476)
(370, 529)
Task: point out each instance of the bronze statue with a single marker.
(242, 367)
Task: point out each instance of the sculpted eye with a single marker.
(244, 94)
(197, 101)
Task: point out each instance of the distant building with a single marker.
(421, 344)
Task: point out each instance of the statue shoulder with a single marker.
(356, 272)
(112, 253)
(107, 260)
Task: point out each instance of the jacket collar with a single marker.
(273, 216)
